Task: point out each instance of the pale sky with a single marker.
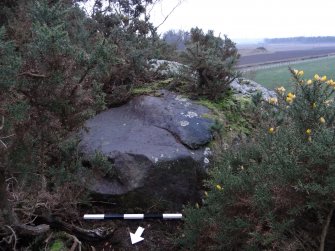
(250, 18)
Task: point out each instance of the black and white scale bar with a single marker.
(132, 216)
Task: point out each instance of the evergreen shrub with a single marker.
(277, 191)
(214, 60)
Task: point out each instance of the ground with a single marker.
(275, 76)
(158, 235)
(283, 56)
(269, 67)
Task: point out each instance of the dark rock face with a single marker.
(156, 145)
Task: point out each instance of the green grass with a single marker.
(280, 76)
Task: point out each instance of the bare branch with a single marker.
(2, 122)
(152, 7)
(168, 15)
(5, 137)
(2, 143)
(75, 242)
(30, 74)
(14, 235)
(325, 230)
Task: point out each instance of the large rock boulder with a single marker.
(156, 145)
(166, 68)
(246, 87)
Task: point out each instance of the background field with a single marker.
(280, 75)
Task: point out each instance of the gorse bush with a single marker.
(58, 67)
(51, 77)
(276, 192)
(213, 59)
(125, 24)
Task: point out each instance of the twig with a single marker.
(47, 241)
(85, 74)
(5, 137)
(30, 74)
(3, 143)
(152, 7)
(75, 243)
(168, 15)
(14, 234)
(325, 230)
(2, 122)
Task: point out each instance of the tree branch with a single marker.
(325, 230)
(85, 74)
(5, 137)
(30, 74)
(14, 235)
(2, 122)
(168, 15)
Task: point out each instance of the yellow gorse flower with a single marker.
(289, 100)
(323, 79)
(331, 83)
(316, 77)
(308, 131)
(314, 105)
(309, 82)
(290, 97)
(271, 130)
(298, 73)
(218, 187)
(322, 120)
(273, 101)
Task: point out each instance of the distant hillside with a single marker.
(303, 40)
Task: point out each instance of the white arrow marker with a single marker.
(137, 236)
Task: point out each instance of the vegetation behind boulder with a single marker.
(125, 24)
(214, 60)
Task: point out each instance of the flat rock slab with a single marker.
(156, 145)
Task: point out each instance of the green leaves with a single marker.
(50, 41)
(9, 62)
(47, 14)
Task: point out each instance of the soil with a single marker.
(282, 56)
(158, 235)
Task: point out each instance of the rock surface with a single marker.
(165, 68)
(247, 87)
(243, 87)
(156, 145)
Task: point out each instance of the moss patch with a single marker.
(151, 88)
(229, 112)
